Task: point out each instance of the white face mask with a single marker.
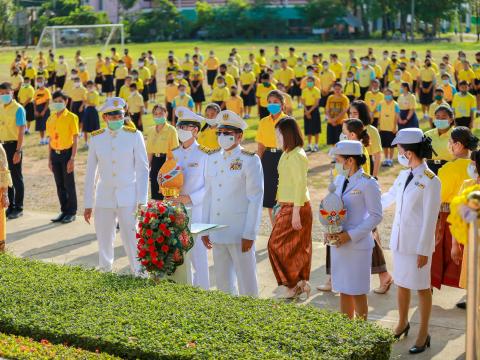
(342, 137)
(184, 135)
(226, 141)
(402, 160)
(76, 84)
(279, 138)
(341, 170)
(472, 171)
(364, 63)
(397, 77)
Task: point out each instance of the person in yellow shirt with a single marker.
(30, 72)
(43, 72)
(208, 135)
(183, 99)
(78, 57)
(439, 100)
(51, 67)
(107, 76)
(364, 76)
(373, 97)
(262, 93)
(220, 92)
(90, 118)
(212, 64)
(351, 89)
(41, 100)
(98, 72)
(276, 55)
(285, 74)
(406, 76)
(144, 75)
(229, 79)
(390, 68)
(268, 150)
(248, 83)
(152, 83)
(137, 81)
(327, 79)
(261, 59)
(135, 106)
(426, 84)
(476, 82)
(187, 66)
(125, 89)
(171, 91)
(62, 129)
(449, 89)
(389, 114)
(407, 104)
(396, 84)
(172, 65)
(254, 65)
(16, 80)
(235, 102)
(300, 71)
(464, 106)
(61, 73)
(310, 72)
(162, 138)
(114, 56)
(414, 72)
(127, 59)
(311, 115)
(336, 66)
(77, 95)
(233, 69)
(466, 74)
(292, 57)
(336, 113)
(83, 73)
(440, 135)
(196, 82)
(121, 72)
(25, 98)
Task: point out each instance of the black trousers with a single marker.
(64, 181)
(16, 192)
(157, 163)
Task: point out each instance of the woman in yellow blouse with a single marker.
(5, 182)
(248, 82)
(452, 175)
(161, 139)
(407, 103)
(290, 243)
(208, 135)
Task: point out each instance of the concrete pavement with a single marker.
(34, 236)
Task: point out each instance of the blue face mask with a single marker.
(274, 109)
(58, 106)
(159, 120)
(388, 97)
(441, 124)
(6, 98)
(115, 125)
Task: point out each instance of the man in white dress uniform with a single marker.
(234, 196)
(119, 157)
(192, 158)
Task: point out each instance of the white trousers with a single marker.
(234, 268)
(106, 225)
(199, 258)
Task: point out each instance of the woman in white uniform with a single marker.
(416, 192)
(352, 254)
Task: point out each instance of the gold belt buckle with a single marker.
(273, 150)
(58, 152)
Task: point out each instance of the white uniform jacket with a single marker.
(120, 158)
(234, 195)
(361, 198)
(416, 212)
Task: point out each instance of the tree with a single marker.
(324, 13)
(432, 15)
(7, 9)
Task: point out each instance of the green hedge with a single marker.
(136, 318)
(22, 348)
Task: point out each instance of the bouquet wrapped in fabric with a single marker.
(332, 213)
(163, 237)
(463, 210)
(170, 177)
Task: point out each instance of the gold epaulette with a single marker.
(366, 176)
(208, 150)
(178, 147)
(429, 173)
(249, 153)
(130, 123)
(97, 132)
(129, 129)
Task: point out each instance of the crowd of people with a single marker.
(369, 106)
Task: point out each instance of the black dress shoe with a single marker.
(8, 212)
(59, 218)
(462, 305)
(15, 214)
(68, 219)
(419, 349)
(404, 332)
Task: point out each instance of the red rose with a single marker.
(167, 233)
(155, 261)
(138, 236)
(160, 239)
(172, 218)
(161, 209)
(160, 264)
(165, 248)
(142, 253)
(145, 262)
(141, 241)
(150, 241)
(149, 232)
(154, 216)
(163, 227)
(151, 248)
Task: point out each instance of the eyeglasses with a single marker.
(226, 133)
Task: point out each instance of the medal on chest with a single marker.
(236, 164)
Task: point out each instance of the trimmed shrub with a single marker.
(136, 318)
(22, 348)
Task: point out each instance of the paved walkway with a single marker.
(75, 244)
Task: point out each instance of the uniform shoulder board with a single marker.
(429, 173)
(97, 132)
(366, 176)
(129, 129)
(178, 147)
(248, 153)
(208, 151)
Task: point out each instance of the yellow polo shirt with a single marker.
(229, 80)
(121, 72)
(327, 78)
(93, 98)
(144, 74)
(440, 144)
(220, 94)
(467, 75)
(84, 76)
(107, 69)
(78, 94)
(262, 93)
(427, 74)
(335, 105)
(452, 175)
(407, 102)
(311, 96)
(163, 141)
(375, 140)
(124, 92)
(395, 86)
(388, 120)
(433, 106)
(373, 99)
(208, 138)
(171, 91)
(464, 105)
(235, 104)
(11, 117)
(135, 103)
(266, 131)
(247, 78)
(292, 177)
(337, 69)
(25, 93)
(62, 69)
(41, 96)
(212, 63)
(285, 76)
(62, 129)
